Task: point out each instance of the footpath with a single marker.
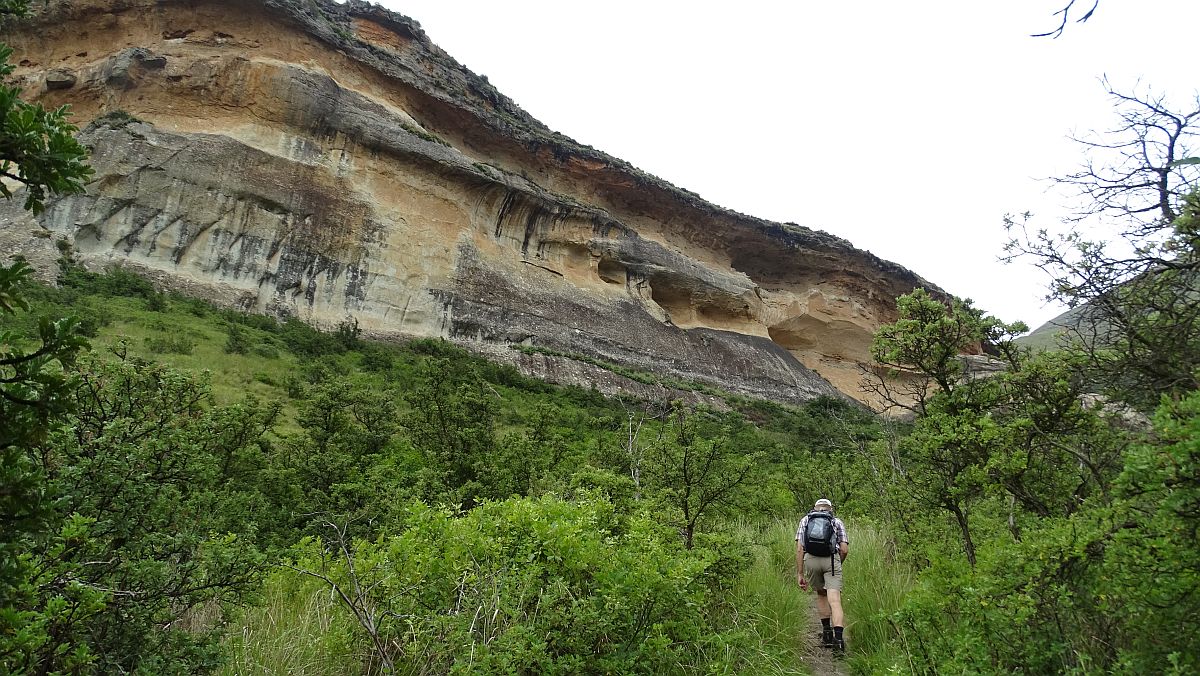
(818, 659)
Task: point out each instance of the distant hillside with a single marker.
(1050, 334)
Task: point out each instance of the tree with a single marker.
(37, 150)
(1159, 514)
(827, 454)
(35, 388)
(1108, 575)
(1138, 319)
(922, 352)
(163, 488)
(1054, 453)
(452, 424)
(348, 429)
(631, 437)
(1022, 430)
(700, 474)
(1138, 173)
(1104, 590)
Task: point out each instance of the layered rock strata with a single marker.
(327, 160)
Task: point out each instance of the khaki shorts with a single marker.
(823, 572)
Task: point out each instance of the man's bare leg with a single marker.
(823, 608)
(832, 606)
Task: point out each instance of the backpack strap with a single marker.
(835, 550)
(833, 545)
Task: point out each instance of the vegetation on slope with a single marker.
(473, 518)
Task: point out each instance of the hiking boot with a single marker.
(827, 638)
(839, 647)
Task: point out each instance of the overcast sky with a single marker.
(908, 128)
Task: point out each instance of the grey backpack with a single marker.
(820, 535)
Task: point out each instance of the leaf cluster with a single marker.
(37, 146)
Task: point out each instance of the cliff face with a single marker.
(328, 160)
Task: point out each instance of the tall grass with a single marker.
(770, 604)
(781, 614)
(875, 584)
(299, 629)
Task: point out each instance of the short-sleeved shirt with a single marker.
(839, 530)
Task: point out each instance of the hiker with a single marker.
(821, 548)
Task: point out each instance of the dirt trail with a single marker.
(818, 659)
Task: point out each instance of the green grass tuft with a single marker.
(300, 629)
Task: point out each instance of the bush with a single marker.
(526, 586)
(265, 350)
(347, 333)
(168, 344)
(305, 341)
(194, 306)
(156, 302)
(436, 347)
(254, 321)
(376, 359)
(160, 491)
(237, 342)
(1106, 589)
(116, 281)
(92, 318)
(294, 386)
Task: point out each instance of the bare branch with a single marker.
(1064, 15)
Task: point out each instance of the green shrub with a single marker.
(265, 350)
(294, 386)
(92, 317)
(255, 321)
(527, 586)
(195, 306)
(348, 334)
(237, 342)
(436, 347)
(376, 359)
(170, 344)
(305, 341)
(156, 301)
(158, 490)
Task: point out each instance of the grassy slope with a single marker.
(1050, 335)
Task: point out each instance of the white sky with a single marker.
(907, 127)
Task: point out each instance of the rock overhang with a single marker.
(328, 159)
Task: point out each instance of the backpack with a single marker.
(820, 535)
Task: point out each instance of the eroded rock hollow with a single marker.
(328, 160)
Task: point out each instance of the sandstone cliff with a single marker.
(328, 160)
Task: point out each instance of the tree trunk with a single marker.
(965, 527)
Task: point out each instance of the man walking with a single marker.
(821, 548)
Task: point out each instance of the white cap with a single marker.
(824, 501)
